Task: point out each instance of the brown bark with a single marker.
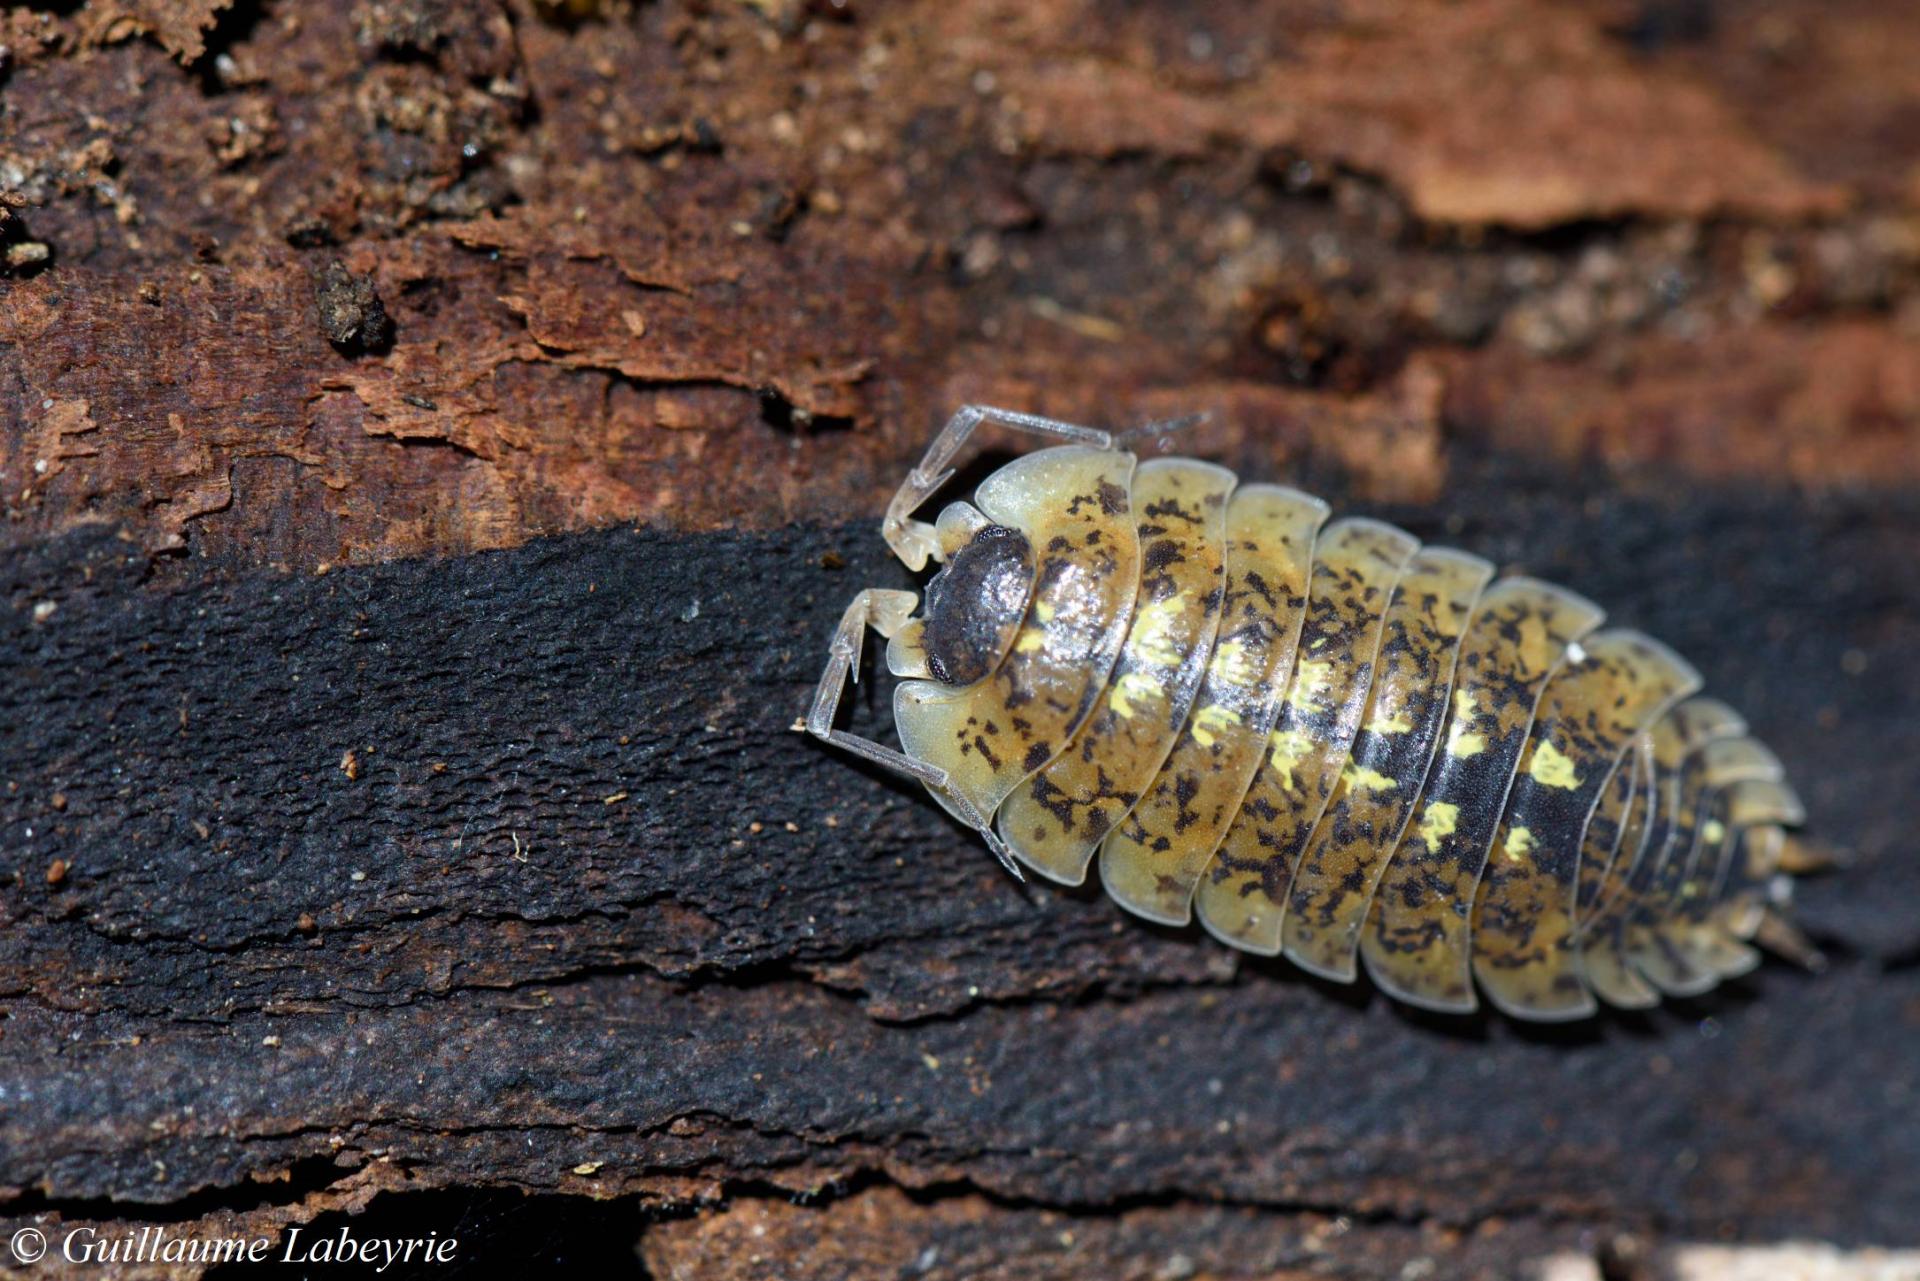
(399, 801)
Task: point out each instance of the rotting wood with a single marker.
(761, 964)
(352, 884)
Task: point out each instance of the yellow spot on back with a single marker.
(1519, 842)
(1459, 741)
(1210, 721)
(1131, 688)
(1153, 639)
(1537, 649)
(1551, 768)
(1311, 683)
(1437, 822)
(1713, 831)
(1398, 723)
(1043, 610)
(1290, 747)
(1356, 776)
(1031, 638)
(1232, 665)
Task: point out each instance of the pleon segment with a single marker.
(1415, 943)
(1072, 504)
(1607, 829)
(1734, 759)
(1648, 946)
(1741, 901)
(1375, 793)
(1699, 721)
(1667, 745)
(1644, 942)
(1747, 870)
(1703, 950)
(1151, 861)
(1613, 687)
(1606, 968)
(1055, 821)
(1667, 749)
(1691, 928)
(1243, 892)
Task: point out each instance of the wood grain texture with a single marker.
(709, 266)
(343, 883)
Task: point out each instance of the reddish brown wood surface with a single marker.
(328, 640)
(645, 265)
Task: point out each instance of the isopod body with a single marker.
(1321, 738)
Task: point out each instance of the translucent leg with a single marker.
(913, 541)
(1162, 429)
(886, 612)
(1779, 935)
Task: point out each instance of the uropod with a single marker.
(1320, 737)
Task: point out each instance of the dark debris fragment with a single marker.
(351, 314)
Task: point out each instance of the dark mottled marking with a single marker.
(980, 745)
(1160, 555)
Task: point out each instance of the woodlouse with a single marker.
(1330, 742)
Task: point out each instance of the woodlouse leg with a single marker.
(1159, 431)
(885, 612)
(1779, 935)
(914, 541)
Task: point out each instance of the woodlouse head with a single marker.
(975, 605)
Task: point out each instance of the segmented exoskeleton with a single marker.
(1327, 740)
